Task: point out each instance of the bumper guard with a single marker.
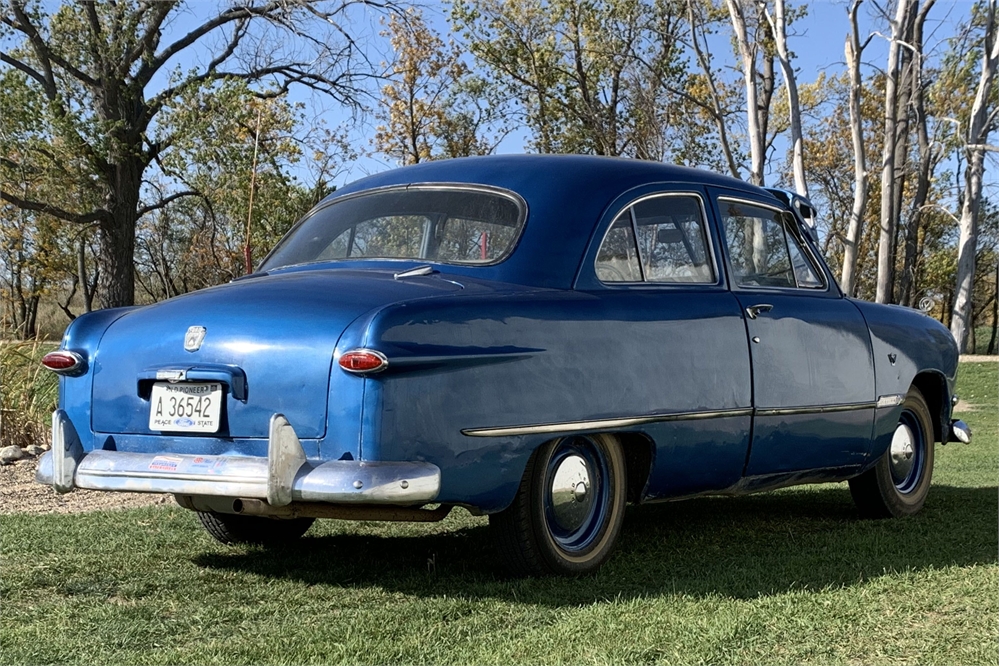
(283, 477)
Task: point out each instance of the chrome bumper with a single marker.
(959, 432)
(283, 477)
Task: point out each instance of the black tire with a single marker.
(230, 528)
(898, 484)
(568, 510)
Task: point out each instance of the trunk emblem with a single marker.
(195, 336)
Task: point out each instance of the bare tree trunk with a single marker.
(978, 132)
(917, 95)
(886, 244)
(854, 50)
(747, 53)
(778, 25)
(995, 314)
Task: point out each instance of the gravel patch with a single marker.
(19, 493)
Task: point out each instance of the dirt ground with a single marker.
(20, 494)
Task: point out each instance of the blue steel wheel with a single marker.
(568, 510)
(900, 481)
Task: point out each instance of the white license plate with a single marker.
(185, 407)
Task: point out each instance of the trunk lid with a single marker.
(278, 331)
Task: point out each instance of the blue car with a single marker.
(541, 339)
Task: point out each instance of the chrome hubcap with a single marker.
(903, 453)
(571, 496)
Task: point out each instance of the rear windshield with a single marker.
(440, 224)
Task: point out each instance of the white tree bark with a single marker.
(854, 50)
(978, 134)
(886, 243)
(747, 53)
(778, 24)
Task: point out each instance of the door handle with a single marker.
(755, 311)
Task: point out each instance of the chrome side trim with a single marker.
(818, 409)
(629, 421)
(890, 400)
(601, 424)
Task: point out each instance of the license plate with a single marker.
(185, 407)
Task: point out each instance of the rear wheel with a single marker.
(568, 510)
(230, 528)
(898, 484)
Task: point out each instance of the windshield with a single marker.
(452, 225)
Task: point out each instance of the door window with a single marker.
(762, 252)
(660, 239)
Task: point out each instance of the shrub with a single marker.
(28, 393)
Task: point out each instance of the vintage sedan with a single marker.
(541, 339)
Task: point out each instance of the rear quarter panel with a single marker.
(549, 356)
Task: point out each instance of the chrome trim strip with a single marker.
(629, 421)
(890, 400)
(601, 424)
(819, 409)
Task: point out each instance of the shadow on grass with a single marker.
(731, 547)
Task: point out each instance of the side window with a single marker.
(762, 253)
(617, 260)
(672, 240)
(671, 243)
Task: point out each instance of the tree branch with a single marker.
(162, 203)
(76, 218)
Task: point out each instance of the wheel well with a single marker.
(639, 453)
(933, 387)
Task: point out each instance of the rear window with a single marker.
(450, 225)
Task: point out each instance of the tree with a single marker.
(98, 72)
(854, 52)
(983, 118)
(433, 105)
(751, 34)
(581, 72)
(778, 22)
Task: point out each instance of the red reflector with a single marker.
(61, 360)
(363, 360)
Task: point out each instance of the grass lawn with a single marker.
(785, 577)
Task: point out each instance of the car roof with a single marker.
(566, 196)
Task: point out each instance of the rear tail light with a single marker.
(362, 361)
(63, 362)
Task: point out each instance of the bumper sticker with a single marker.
(165, 463)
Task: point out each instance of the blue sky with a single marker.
(816, 40)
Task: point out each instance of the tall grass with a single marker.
(28, 393)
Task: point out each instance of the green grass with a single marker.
(786, 577)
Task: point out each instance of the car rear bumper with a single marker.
(283, 477)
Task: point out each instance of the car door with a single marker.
(677, 335)
(813, 370)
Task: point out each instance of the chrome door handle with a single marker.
(755, 311)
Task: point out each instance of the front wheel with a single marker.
(568, 510)
(898, 484)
